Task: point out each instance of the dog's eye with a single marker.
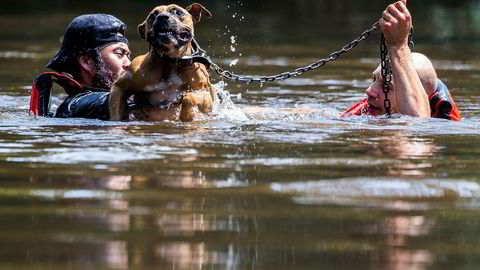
(177, 12)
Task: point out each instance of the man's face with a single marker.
(376, 97)
(114, 60)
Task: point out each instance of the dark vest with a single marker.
(42, 87)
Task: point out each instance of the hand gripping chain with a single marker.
(386, 69)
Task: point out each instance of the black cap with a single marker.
(85, 32)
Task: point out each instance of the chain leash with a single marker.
(283, 76)
(386, 69)
(386, 74)
(201, 56)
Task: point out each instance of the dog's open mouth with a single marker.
(171, 36)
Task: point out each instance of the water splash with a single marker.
(224, 108)
(233, 42)
(227, 30)
(233, 62)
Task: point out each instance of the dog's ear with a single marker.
(141, 30)
(196, 10)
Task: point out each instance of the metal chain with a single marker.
(386, 74)
(386, 68)
(411, 44)
(283, 76)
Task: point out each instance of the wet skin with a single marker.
(376, 97)
(155, 80)
(116, 57)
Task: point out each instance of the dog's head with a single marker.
(169, 28)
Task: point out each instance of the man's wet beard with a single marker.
(104, 77)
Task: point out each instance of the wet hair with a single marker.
(73, 67)
(85, 32)
(103, 77)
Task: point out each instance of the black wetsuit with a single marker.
(82, 101)
(93, 105)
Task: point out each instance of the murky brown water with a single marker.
(275, 180)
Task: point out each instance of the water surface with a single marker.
(275, 179)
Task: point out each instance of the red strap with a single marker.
(361, 107)
(34, 100)
(62, 79)
(357, 109)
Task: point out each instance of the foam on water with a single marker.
(224, 107)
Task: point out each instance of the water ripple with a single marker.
(18, 54)
(382, 192)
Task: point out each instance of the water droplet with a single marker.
(233, 62)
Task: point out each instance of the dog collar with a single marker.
(198, 56)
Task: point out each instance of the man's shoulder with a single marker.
(89, 104)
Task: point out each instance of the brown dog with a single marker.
(164, 87)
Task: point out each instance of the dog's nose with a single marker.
(163, 20)
(163, 16)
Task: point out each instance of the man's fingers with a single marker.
(401, 6)
(392, 9)
(381, 22)
(384, 24)
(387, 16)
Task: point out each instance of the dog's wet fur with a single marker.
(154, 81)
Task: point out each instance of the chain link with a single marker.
(320, 63)
(299, 71)
(386, 69)
(386, 74)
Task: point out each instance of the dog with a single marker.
(162, 87)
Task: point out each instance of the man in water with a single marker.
(94, 53)
(415, 89)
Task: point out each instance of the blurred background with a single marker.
(439, 23)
